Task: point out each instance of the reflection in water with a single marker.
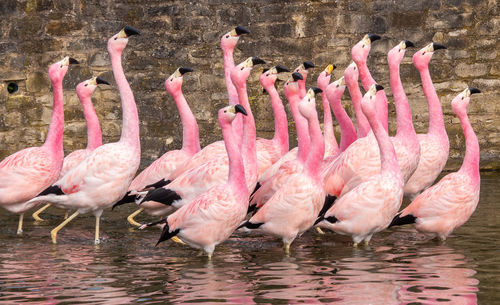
(401, 267)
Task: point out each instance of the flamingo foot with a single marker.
(318, 229)
(53, 233)
(36, 214)
(131, 219)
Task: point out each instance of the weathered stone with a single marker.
(471, 70)
(37, 82)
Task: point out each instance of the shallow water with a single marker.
(400, 267)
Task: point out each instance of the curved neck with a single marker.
(436, 121)
(94, 135)
(232, 92)
(303, 138)
(367, 80)
(249, 149)
(470, 165)
(130, 119)
(317, 150)
(280, 121)
(54, 138)
(347, 131)
(190, 133)
(236, 175)
(361, 120)
(403, 112)
(331, 145)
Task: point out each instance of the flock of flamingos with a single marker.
(203, 195)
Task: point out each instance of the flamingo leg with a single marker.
(66, 214)
(131, 220)
(355, 245)
(287, 248)
(53, 233)
(97, 222)
(318, 229)
(36, 214)
(20, 225)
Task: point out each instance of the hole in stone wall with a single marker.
(12, 88)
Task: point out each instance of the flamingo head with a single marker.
(291, 86)
(307, 106)
(86, 88)
(422, 58)
(460, 102)
(173, 83)
(396, 54)
(351, 73)
(360, 51)
(118, 42)
(240, 73)
(269, 76)
(369, 101)
(227, 114)
(335, 90)
(230, 39)
(303, 69)
(324, 77)
(58, 70)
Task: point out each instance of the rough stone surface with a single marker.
(36, 33)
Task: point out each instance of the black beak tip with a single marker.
(409, 44)
(308, 64)
(334, 67)
(296, 76)
(257, 61)
(129, 31)
(183, 70)
(437, 46)
(240, 30)
(100, 80)
(374, 37)
(474, 90)
(379, 87)
(281, 69)
(240, 109)
(316, 90)
(73, 61)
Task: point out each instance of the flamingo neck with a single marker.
(190, 133)
(347, 130)
(436, 121)
(317, 150)
(232, 93)
(403, 112)
(54, 140)
(249, 148)
(331, 145)
(280, 121)
(236, 177)
(470, 165)
(302, 86)
(303, 138)
(361, 120)
(130, 119)
(94, 135)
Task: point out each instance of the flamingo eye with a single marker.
(286, 83)
(225, 111)
(462, 97)
(86, 85)
(227, 36)
(423, 53)
(116, 38)
(61, 66)
(363, 46)
(337, 85)
(242, 68)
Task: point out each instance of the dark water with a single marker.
(400, 267)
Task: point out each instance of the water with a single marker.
(400, 267)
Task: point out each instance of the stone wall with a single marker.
(36, 33)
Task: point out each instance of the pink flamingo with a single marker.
(212, 217)
(190, 184)
(370, 206)
(104, 176)
(449, 203)
(158, 173)
(294, 207)
(434, 145)
(27, 172)
(84, 90)
(216, 149)
(351, 75)
(331, 145)
(284, 168)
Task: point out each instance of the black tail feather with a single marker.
(158, 184)
(330, 219)
(405, 220)
(161, 195)
(166, 234)
(251, 208)
(257, 186)
(53, 189)
(249, 225)
(329, 201)
(126, 199)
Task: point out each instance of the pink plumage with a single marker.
(331, 145)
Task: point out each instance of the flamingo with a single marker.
(303, 69)
(84, 91)
(104, 176)
(196, 181)
(369, 207)
(434, 145)
(449, 203)
(158, 173)
(351, 75)
(216, 149)
(212, 217)
(27, 172)
(294, 207)
(331, 145)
